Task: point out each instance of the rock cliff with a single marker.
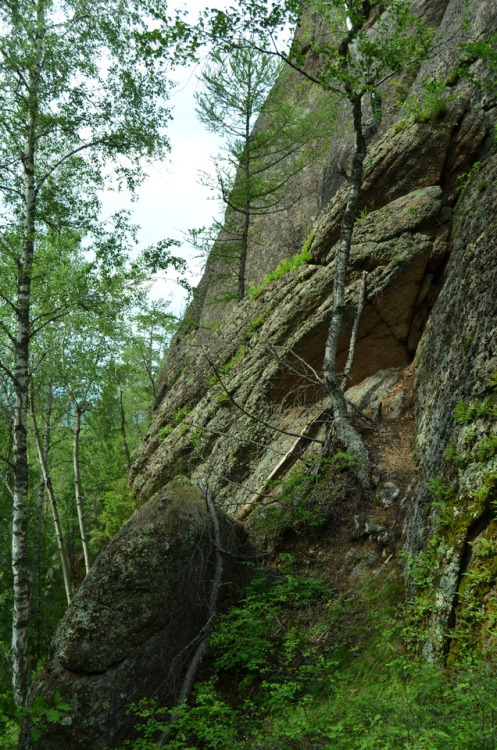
(427, 239)
(423, 383)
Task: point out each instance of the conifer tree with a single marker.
(268, 140)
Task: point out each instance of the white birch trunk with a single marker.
(20, 559)
(78, 494)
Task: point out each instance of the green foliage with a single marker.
(362, 215)
(118, 505)
(10, 719)
(303, 499)
(484, 50)
(179, 414)
(443, 500)
(306, 247)
(42, 714)
(284, 266)
(466, 413)
(176, 418)
(439, 489)
(433, 104)
(255, 171)
(256, 322)
(165, 431)
(263, 641)
(485, 449)
(222, 398)
(196, 439)
(228, 366)
(249, 636)
(293, 667)
(466, 178)
(483, 547)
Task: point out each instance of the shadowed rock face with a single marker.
(126, 635)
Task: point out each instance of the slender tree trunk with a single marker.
(247, 207)
(355, 331)
(20, 559)
(78, 493)
(343, 429)
(42, 457)
(38, 532)
(123, 430)
(243, 253)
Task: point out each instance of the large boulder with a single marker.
(131, 629)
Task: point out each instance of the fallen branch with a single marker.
(355, 328)
(286, 463)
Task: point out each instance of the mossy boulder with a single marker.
(128, 634)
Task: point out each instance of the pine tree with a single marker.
(268, 140)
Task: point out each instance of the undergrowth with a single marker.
(304, 499)
(295, 665)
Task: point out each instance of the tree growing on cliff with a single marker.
(76, 96)
(268, 139)
(351, 62)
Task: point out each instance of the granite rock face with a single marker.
(129, 631)
(400, 247)
(427, 241)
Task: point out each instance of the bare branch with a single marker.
(212, 606)
(252, 416)
(63, 159)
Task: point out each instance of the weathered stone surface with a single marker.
(417, 211)
(126, 635)
(294, 311)
(402, 162)
(416, 219)
(456, 358)
(369, 393)
(458, 353)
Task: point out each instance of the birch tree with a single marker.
(76, 96)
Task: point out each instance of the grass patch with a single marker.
(226, 368)
(284, 266)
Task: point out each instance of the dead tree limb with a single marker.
(253, 416)
(355, 329)
(212, 607)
